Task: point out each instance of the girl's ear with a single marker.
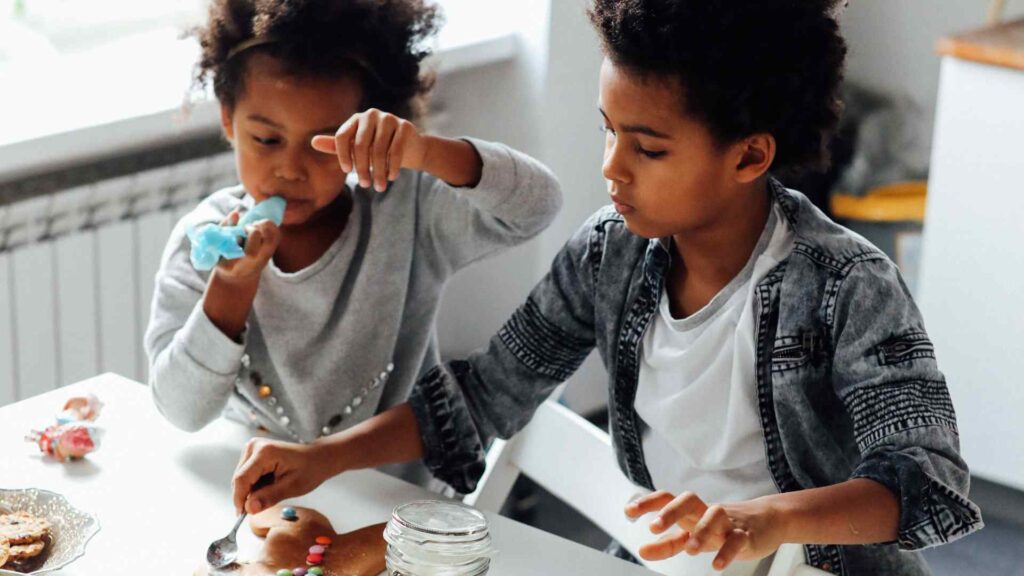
(754, 156)
(225, 123)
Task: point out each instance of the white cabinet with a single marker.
(972, 270)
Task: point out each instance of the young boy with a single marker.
(759, 355)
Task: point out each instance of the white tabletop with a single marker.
(162, 495)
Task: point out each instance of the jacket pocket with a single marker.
(905, 348)
(793, 351)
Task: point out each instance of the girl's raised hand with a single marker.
(376, 145)
(741, 531)
(295, 468)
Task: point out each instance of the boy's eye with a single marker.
(606, 129)
(652, 154)
(265, 141)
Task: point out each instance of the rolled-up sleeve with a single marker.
(886, 374)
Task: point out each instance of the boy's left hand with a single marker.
(740, 531)
(376, 145)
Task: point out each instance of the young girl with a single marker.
(769, 374)
(329, 318)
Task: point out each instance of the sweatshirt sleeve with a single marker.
(516, 199)
(192, 364)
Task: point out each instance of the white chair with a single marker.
(573, 460)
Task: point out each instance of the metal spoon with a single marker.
(223, 552)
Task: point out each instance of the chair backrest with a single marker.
(573, 460)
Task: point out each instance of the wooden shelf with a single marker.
(1001, 45)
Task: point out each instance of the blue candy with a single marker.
(211, 242)
(289, 514)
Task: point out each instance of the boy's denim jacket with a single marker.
(846, 376)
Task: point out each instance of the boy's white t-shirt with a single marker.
(697, 391)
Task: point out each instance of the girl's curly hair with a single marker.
(745, 66)
(383, 42)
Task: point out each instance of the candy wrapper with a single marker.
(67, 441)
(211, 242)
(74, 435)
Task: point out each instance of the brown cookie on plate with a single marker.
(23, 528)
(26, 551)
(5, 551)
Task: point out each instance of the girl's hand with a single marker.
(263, 239)
(297, 470)
(742, 531)
(376, 145)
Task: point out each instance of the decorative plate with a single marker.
(70, 528)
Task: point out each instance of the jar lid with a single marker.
(439, 527)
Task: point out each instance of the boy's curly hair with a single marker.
(745, 66)
(381, 41)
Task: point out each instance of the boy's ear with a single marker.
(225, 123)
(754, 156)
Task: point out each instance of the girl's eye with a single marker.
(606, 129)
(265, 141)
(652, 154)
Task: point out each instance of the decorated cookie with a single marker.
(288, 545)
(5, 550)
(26, 551)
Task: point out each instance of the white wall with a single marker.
(892, 43)
(544, 103)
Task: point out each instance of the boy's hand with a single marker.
(263, 239)
(297, 470)
(376, 145)
(741, 531)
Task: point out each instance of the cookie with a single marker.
(5, 551)
(23, 528)
(26, 551)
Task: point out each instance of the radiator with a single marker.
(77, 271)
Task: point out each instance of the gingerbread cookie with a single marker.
(288, 545)
(23, 528)
(5, 551)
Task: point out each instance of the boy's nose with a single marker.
(612, 167)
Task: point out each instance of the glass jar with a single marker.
(437, 538)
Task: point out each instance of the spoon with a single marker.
(224, 551)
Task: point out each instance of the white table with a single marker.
(162, 495)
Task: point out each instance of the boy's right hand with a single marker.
(263, 239)
(297, 470)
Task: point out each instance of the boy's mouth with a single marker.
(622, 207)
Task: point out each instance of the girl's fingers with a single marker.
(650, 503)
(343, 142)
(361, 146)
(231, 219)
(382, 141)
(710, 531)
(735, 542)
(397, 153)
(325, 144)
(247, 474)
(254, 240)
(684, 510)
(666, 547)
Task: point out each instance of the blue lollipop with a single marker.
(211, 242)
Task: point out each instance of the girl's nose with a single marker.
(612, 168)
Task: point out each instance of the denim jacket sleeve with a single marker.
(905, 427)
(461, 406)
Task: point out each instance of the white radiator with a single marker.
(77, 269)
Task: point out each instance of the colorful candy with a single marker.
(299, 571)
(316, 571)
(289, 514)
(66, 441)
(323, 540)
(314, 559)
(285, 572)
(317, 549)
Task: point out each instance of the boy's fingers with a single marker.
(650, 503)
(254, 240)
(666, 547)
(684, 510)
(246, 476)
(735, 542)
(269, 495)
(710, 530)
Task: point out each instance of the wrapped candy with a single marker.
(80, 409)
(65, 441)
(212, 242)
